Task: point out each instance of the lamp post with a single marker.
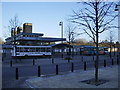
(70, 40)
(117, 8)
(14, 40)
(61, 24)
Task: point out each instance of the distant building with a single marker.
(25, 37)
(33, 39)
(27, 28)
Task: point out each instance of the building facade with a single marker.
(25, 37)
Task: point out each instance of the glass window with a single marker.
(42, 49)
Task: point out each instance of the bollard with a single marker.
(11, 63)
(72, 69)
(110, 56)
(82, 58)
(2, 58)
(117, 61)
(104, 63)
(49, 57)
(68, 60)
(62, 55)
(39, 71)
(76, 53)
(112, 62)
(85, 66)
(16, 73)
(57, 69)
(95, 64)
(117, 56)
(52, 61)
(93, 58)
(33, 62)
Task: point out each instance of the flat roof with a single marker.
(48, 39)
(44, 39)
(22, 33)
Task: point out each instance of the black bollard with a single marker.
(16, 73)
(93, 58)
(95, 64)
(52, 61)
(85, 66)
(11, 63)
(104, 63)
(57, 69)
(82, 58)
(2, 58)
(72, 69)
(117, 61)
(112, 62)
(49, 57)
(76, 53)
(68, 60)
(39, 71)
(33, 62)
(110, 56)
(117, 56)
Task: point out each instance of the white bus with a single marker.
(31, 51)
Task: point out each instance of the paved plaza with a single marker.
(28, 73)
(73, 80)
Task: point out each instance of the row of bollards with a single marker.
(57, 68)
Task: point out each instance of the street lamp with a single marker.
(117, 8)
(14, 40)
(61, 24)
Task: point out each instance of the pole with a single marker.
(16, 73)
(38, 71)
(57, 69)
(11, 63)
(104, 63)
(61, 24)
(72, 69)
(15, 41)
(85, 66)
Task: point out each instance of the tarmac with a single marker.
(74, 79)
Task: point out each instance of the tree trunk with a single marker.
(97, 50)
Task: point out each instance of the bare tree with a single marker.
(69, 33)
(95, 17)
(13, 23)
(70, 30)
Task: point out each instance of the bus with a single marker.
(88, 50)
(91, 50)
(103, 50)
(19, 51)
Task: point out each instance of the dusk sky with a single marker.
(45, 17)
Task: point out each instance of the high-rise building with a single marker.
(27, 27)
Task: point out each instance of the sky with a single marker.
(45, 17)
